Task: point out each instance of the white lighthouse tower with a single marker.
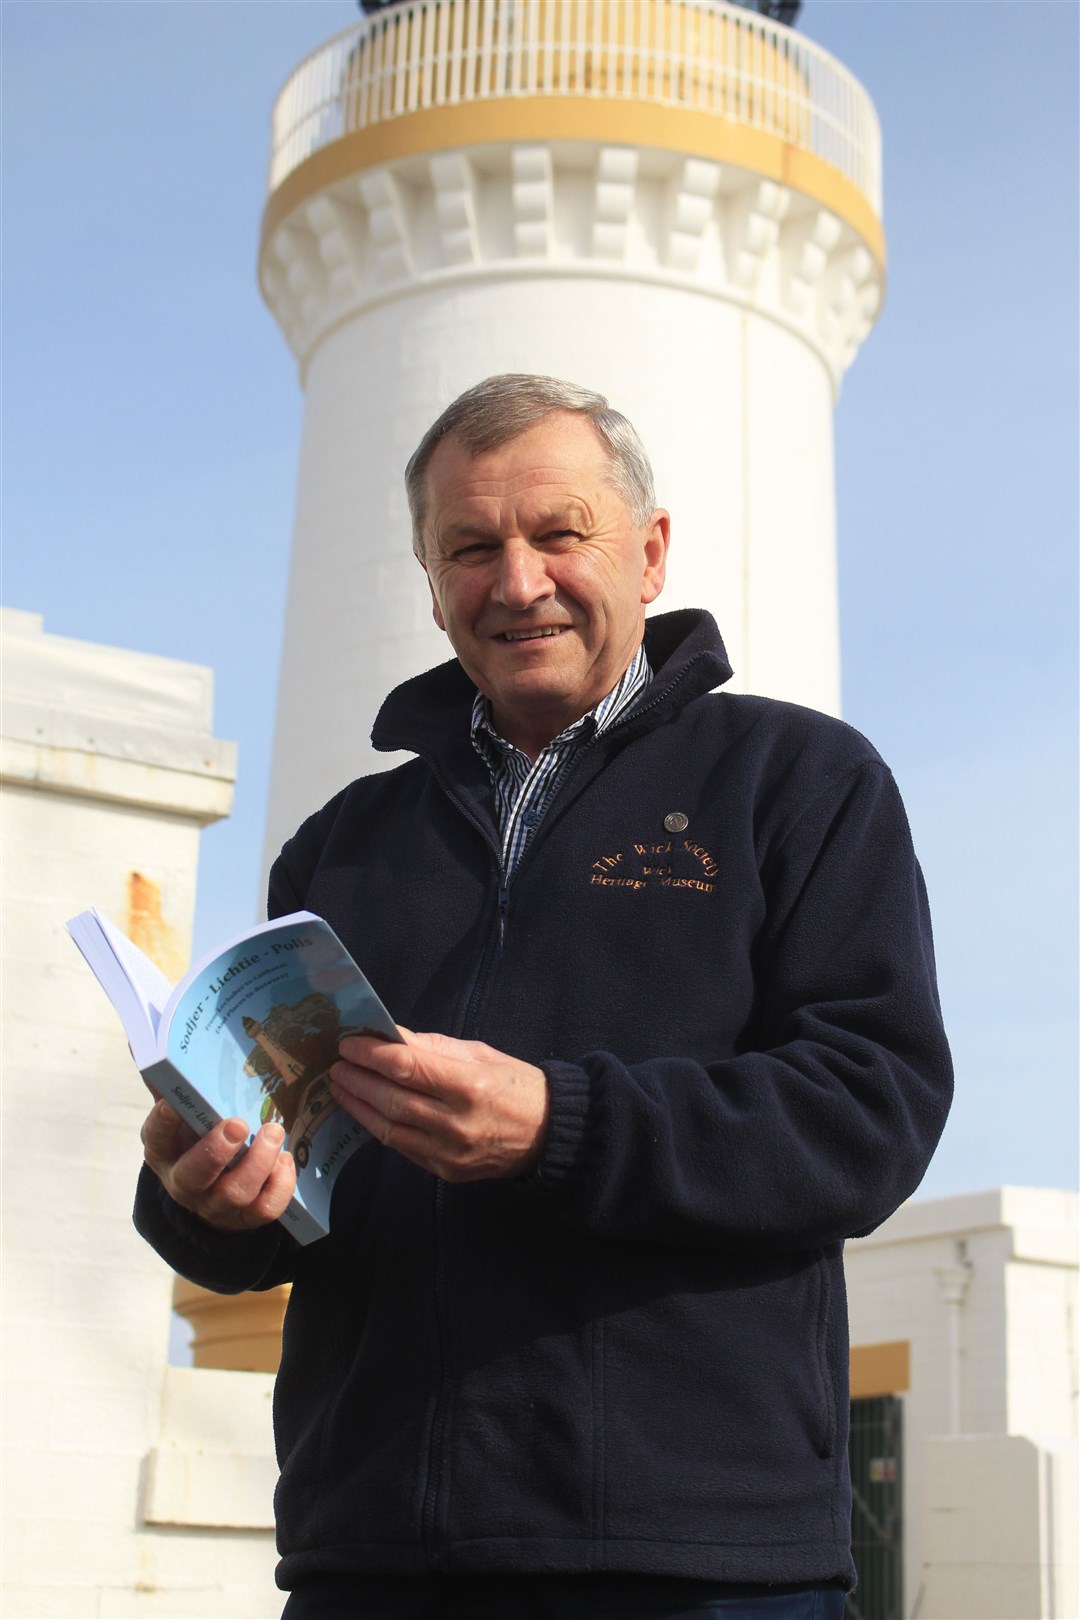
(675, 202)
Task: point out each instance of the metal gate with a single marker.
(877, 1542)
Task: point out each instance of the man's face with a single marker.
(538, 574)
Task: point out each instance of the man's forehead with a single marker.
(540, 488)
(557, 446)
(481, 514)
(532, 495)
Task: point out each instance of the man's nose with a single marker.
(522, 576)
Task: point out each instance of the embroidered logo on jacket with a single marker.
(670, 863)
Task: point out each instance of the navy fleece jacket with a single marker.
(634, 1359)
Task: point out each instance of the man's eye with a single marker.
(561, 534)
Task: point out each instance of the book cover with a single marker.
(250, 1032)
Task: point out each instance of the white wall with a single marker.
(1001, 1516)
(991, 1414)
(108, 768)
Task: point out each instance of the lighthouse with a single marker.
(674, 202)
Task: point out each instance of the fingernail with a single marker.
(235, 1132)
(166, 1113)
(274, 1134)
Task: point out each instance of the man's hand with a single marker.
(204, 1174)
(457, 1108)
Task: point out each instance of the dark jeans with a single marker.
(555, 1597)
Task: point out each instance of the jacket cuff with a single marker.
(227, 1262)
(569, 1109)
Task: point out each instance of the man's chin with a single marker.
(530, 696)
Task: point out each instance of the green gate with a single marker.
(876, 1509)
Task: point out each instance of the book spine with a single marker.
(170, 1084)
(302, 1223)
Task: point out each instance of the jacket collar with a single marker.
(429, 715)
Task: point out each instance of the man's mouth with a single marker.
(533, 635)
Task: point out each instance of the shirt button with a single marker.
(531, 818)
(676, 822)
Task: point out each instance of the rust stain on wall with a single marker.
(147, 927)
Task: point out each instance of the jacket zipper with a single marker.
(502, 910)
(492, 952)
(429, 1511)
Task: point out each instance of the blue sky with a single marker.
(151, 422)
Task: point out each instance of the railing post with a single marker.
(700, 53)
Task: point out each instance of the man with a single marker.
(576, 1344)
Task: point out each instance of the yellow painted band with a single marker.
(575, 118)
(880, 1369)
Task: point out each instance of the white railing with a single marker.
(700, 54)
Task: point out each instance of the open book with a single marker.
(250, 1032)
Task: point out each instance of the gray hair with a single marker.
(502, 408)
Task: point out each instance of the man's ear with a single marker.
(657, 540)
(436, 611)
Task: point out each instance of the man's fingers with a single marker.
(458, 1108)
(390, 1101)
(450, 1046)
(165, 1135)
(437, 1065)
(220, 1160)
(257, 1174)
(220, 1176)
(255, 1191)
(389, 1058)
(277, 1190)
(167, 1139)
(410, 1140)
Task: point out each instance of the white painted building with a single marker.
(972, 1303)
(121, 1476)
